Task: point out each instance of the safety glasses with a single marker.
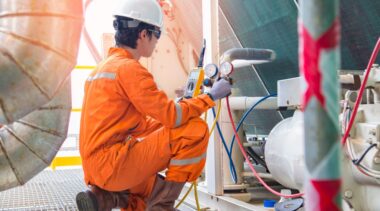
(156, 33)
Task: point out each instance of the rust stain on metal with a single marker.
(45, 130)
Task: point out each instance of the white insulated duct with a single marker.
(38, 48)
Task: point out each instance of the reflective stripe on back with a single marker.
(183, 162)
(178, 109)
(101, 75)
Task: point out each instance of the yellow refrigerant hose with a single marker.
(217, 116)
(196, 195)
(184, 197)
(195, 182)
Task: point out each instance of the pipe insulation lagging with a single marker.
(248, 54)
(28, 145)
(38, 50)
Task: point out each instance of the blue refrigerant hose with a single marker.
(232, 166)
(245, 116)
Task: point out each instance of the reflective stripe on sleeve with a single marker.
(183, 162)
(178, 109)
(102, 75)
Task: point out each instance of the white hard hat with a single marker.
(148, 11)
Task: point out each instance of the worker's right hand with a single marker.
(180, 91)
(220, 89)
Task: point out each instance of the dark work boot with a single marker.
(164, 195)
(98, 199)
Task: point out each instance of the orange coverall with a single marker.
(130, 130)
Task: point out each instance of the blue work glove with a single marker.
(220, 89)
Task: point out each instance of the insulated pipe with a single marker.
(29, 144)
(319, 35)
(348, 79)
(87, 38)
(248, 56)
(243, 103)
(38, 50)
(262, 175)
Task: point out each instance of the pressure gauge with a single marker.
(226, 68)
(211, 70)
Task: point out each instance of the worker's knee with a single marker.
(197, 127)
(195, 131)
(198, 122)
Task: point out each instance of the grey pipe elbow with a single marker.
(264, 55)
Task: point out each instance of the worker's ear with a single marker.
(143, 34)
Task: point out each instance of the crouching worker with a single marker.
(130, 130)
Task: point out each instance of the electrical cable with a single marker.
(202, 55)
(344, 115)
(361, 90)
(357, 161)
(257, 158)
(362, 169)
(245, 115)
(369, 172)
(252, 157)
(250, 164)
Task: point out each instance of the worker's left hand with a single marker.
(220, 89)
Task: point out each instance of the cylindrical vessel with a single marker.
(284, 152)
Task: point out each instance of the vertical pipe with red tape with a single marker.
(319, 54)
